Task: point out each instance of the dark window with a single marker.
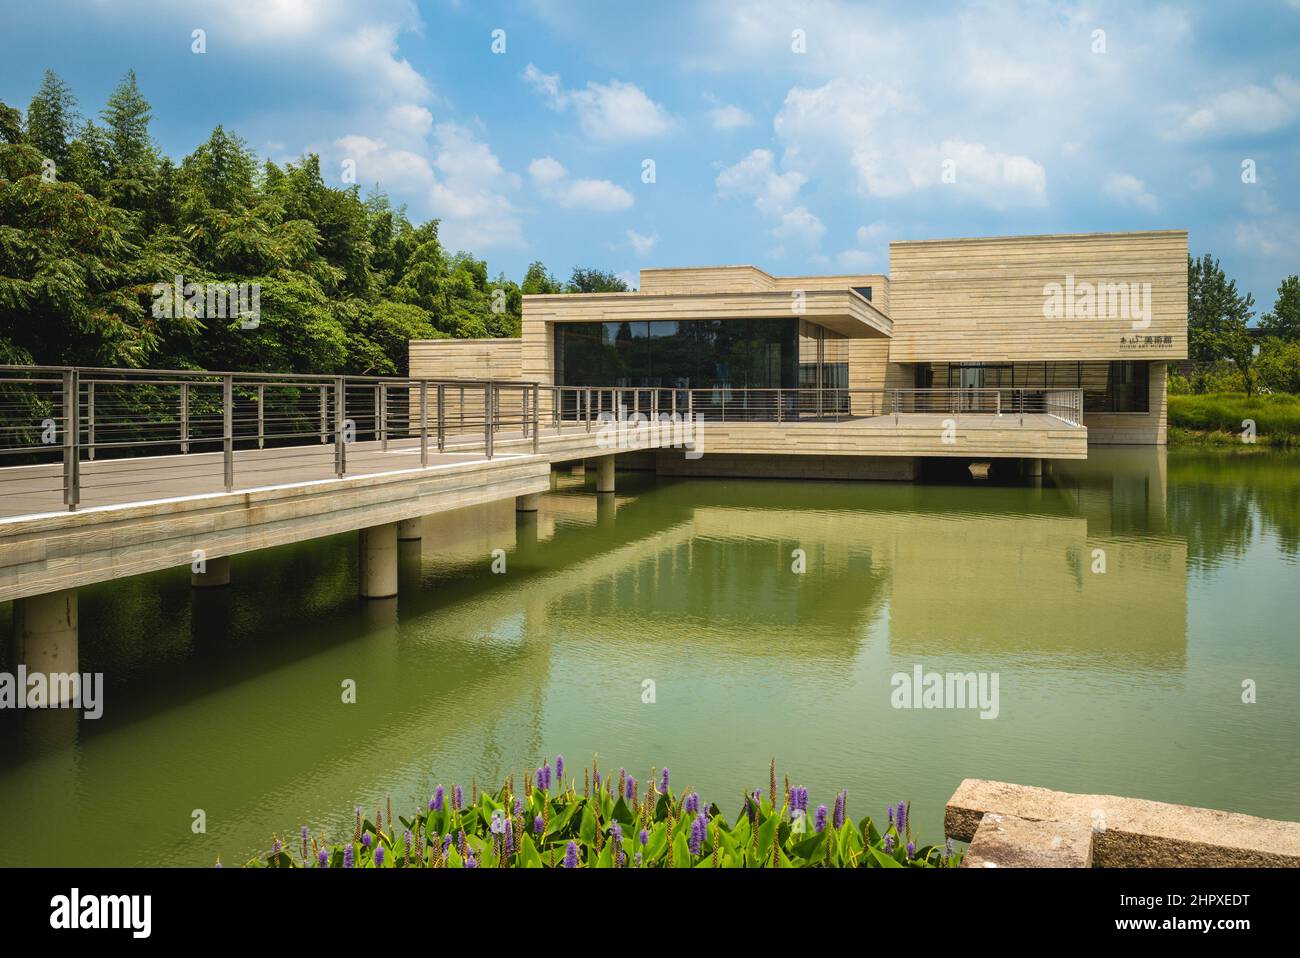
(863, 291)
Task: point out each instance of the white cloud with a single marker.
(756, 177)
(729, 117)
(1249, 109)
(799, 224)
(470, 194)
(774, 194)
(1273, 239)
(601, 196)
(641, 244)
(1128, 189)
(611, 111)
(866, 234)
(546, 170)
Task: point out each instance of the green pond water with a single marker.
(1126, 682)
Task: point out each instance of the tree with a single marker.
(11, 123)
(539, 281)
(52, 118)
(1284, 321)
(1217, 315)
(595, 281)
(127, 117)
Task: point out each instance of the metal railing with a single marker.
(155, 425)
(588, 405)
(1063, 404)
(161, 433)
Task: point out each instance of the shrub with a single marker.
(1276, 416)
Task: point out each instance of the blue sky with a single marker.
(794, 161)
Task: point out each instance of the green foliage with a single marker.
(345, 281)
(1277, 367)
(1284, 320)
(594, 281)
(1220, 415)
(1218, 317)
(606, 829)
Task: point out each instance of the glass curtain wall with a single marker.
(1114, 386)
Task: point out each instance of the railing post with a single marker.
(487, 419)
(424, 422)
(780, 413)
(442, 418)
(997, 403)
(324, 419)
(261, 407)
(383, 415)
(71, 439)
(228, 430)
(185, 417)
(340, 417)
(588, 410)
(379, 405)
(690, 405)
(537, 419)
(90, 420)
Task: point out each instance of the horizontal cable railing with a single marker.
(194, 431)
(165, 433)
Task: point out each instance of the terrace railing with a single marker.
(588, 405)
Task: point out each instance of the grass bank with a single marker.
(1216, 419)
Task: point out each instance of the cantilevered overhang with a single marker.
(842, 310)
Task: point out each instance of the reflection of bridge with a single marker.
(110, 473)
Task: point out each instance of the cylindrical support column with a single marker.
(528, 502)
(579, 469)
(1035, 468)
(377, 561)
(216, 573)
(45, 635)
(410, 530)
(605, 474)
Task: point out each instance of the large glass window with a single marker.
(1118, 386)
(686, 354)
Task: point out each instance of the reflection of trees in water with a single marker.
(1221, 503)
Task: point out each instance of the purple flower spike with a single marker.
(498, 824)
(803, 799)
(663, 780)
(616, 832)
(571, 855)
(559, 768)
(629, 788)
(644, 838)
(901, 818)
(698, 828)
(839, 810)
(366, 839)
(519, 806)
(471, 861)
(446, 841)
(436, 803)
(538, 825)
(379, 857)
(541, 780)
(510, 837)
(349, 856)
(911, 849)
(891, 814)
(457, 798)
(819, 820)
(691, 804)
(889, 844)
(322, 858)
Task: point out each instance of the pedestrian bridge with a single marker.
(106, 473)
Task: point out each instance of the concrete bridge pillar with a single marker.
(579, 469)
(377, 561)
(605, 474)
(1034, 468)
(410, 530)
(45, 633)
(216, 573)
(528, 502)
